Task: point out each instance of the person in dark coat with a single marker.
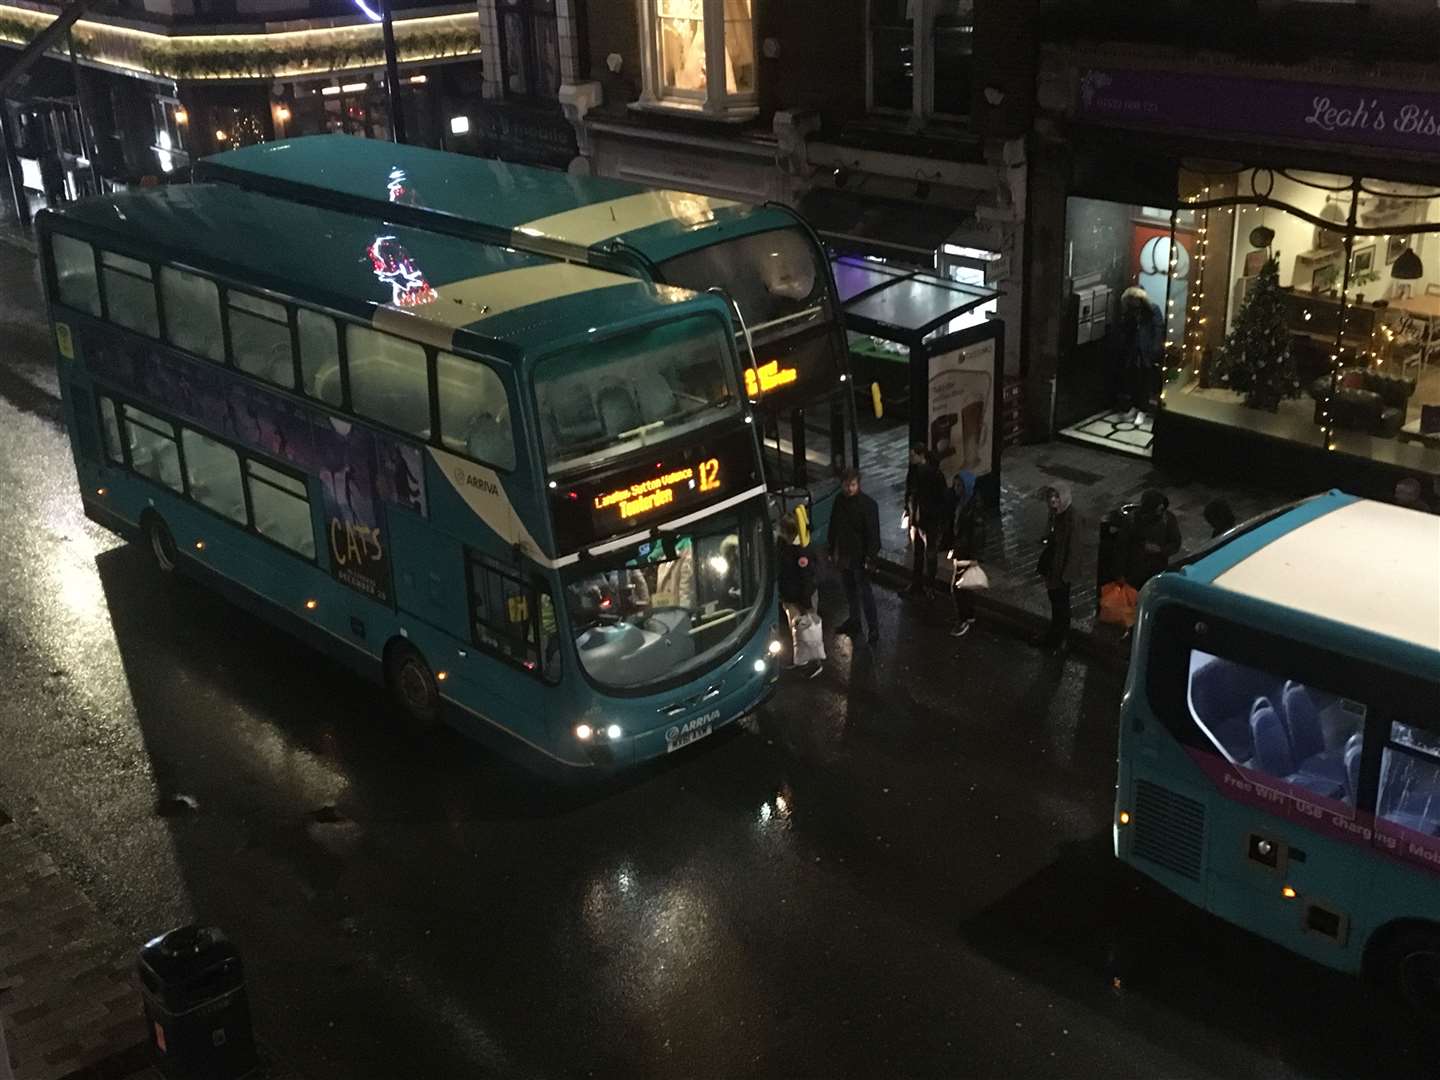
(797, 585)
(1219, 517)
(1141, 342)
(925, 505)
(1154, 539)
(1057, 562)
(854, 541)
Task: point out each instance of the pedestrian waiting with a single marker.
(800, 599)
(1153, 540)
(854, 541)
(1219, 517)
(925, 512)
(1056, 564)
(967, 542)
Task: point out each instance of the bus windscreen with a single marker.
(773, 276)
(636, 389)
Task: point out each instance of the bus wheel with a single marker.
(412, 685)
(163, 552)
(1412, 964)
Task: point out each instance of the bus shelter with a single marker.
(927, 352)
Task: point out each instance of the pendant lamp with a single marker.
(1408, 266)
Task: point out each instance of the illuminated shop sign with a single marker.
(638, 497)
(768, 377)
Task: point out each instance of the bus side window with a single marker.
(282, 508)
(213, 470)
(75, 273)
(1410, 780)
(388, 380)
(319, 356)
(260, 338)
(192, 313)
(153, 451)
(513, 619)
(1278, 727)
(474, 412)
(130, 294)
(110, 431)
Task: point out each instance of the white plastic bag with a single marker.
(807, 633)
(969, 574)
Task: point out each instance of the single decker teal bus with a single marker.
(766, 259)
(1280, 737)
(525, 494)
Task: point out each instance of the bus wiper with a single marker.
(641, 429)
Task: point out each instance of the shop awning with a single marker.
(884, 226)
(900, 305)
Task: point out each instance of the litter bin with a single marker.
(193, 987)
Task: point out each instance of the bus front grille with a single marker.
(1169, 829)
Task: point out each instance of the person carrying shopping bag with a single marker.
(967, 541)
(800, 599)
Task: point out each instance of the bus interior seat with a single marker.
(1272, 744)
(572, 414)
(1223, 695)
(324, 383)
(618, 411)
(1307, 738)
(488, 439)
(657, 398)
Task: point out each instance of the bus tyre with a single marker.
(163, 552)
(412, 685)
(1410, 965)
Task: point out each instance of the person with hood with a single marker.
(799, 598)
(1219, 517)
(1154, 539)
(967, 541)
(925, 511)
(1057, 562)
(853, 543)
(1142, 340)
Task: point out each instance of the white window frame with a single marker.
(715, 101)
(922, 42)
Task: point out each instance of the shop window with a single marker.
(170, 145)
(1307, 332)
(700, 55)
(388, 380)
(282, 508)
(192, 313)
(1278, 728)
(75, 273)
(474, 412)
(260, 338)
(130, 293)
(921, 55)
(530, 48)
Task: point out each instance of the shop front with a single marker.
(1277, 311)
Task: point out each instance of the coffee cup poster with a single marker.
(962, 409)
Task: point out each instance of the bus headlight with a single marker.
(775, 647)
(613, 731)
(760, 666)
(583, 732)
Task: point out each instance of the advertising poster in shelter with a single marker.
(961, 397)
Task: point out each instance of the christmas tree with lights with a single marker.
(1255, 359)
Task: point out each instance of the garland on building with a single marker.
(1256, 359)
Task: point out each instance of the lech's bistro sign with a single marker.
(1392, 119)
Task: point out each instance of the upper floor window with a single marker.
(530, 48)
(700, 54)
(921, 56)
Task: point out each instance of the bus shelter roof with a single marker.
(492, 201)
(901, 305)
(429, 287)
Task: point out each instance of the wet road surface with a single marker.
(901, 868)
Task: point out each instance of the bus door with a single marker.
(804, 451)
(1279, 728)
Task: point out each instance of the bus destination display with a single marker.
(635, 498)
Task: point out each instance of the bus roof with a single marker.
(421, 285)
(1360, 563)
(494, 201)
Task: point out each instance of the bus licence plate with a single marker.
(690, 731)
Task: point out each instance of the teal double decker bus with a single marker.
(525, 494)
(1280, 737)
(765, 259)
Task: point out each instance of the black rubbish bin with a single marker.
(193, 986)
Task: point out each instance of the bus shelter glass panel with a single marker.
(634, 390)
(669, 605)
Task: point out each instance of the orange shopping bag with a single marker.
(1117, 603)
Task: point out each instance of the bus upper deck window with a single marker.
(319, 356)
(474, 412)
(192, 313)
(388, 379)
(75, 273)
(260, 338)
(130, 294)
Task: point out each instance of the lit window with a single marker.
(688, 40)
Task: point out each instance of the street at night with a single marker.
(903, 867)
